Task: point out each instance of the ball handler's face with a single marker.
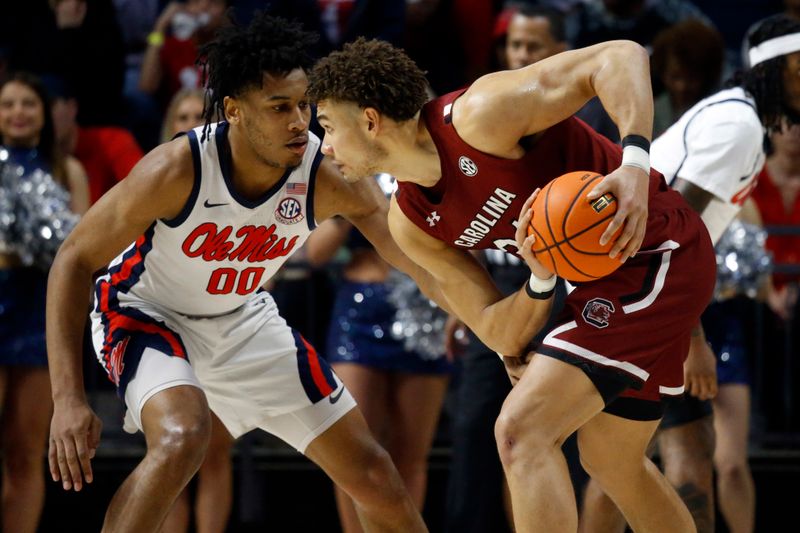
(348, 139)
(274, 118)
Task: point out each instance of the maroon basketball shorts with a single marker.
(630, 330)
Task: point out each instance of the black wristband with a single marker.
(538, 295)
(636, 140)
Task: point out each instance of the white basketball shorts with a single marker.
(255, 370)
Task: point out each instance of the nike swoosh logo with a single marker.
(209, 204)
(335, 397)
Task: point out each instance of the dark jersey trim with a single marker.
(194, 144)
(312, 180)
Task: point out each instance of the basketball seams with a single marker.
(567, 259)
(581, 232)
(568, 240)
(547, 249)
(571, 264)
(548, 188)
(572, 204)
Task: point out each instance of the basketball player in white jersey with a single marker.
(178, 319)
(712, 155)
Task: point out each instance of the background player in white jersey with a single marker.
(179, 321)
(712, 155)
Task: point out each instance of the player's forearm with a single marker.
(323, 243)
(622, 82)
(508, 325)
(67, 304)
(428, 286)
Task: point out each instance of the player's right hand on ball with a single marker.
(525, 241)
(630, 186)
(74, 437)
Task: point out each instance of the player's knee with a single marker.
(732, 469)
(378, 469)
(377, 476)
(520, 438)
(182, 442)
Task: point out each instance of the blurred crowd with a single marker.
(88, 86)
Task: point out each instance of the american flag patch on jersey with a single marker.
(296, 188)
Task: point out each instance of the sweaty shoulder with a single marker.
(164, 176)
(484, 116)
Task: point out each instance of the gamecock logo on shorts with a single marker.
(289, 211)
(597, 312)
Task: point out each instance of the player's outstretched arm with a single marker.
(501, 108)
(157, 188)
(365, 206)
(504, 324)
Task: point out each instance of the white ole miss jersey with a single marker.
(718, 146)
(221, 248)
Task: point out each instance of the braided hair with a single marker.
(764, 82)
(238, 57)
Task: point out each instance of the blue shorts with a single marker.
(361, 333)
(22, 304)
(724, 325)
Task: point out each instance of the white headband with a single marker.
(772, 48)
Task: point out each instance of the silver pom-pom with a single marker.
(418, 322)
(742, 261)
(34, 215)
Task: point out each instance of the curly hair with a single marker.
(765, 81)
(371, 74)
(237, 59)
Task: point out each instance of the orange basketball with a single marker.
(568, 228)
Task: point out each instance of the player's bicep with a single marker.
(157, 187)
(531, 99)
(505, 106)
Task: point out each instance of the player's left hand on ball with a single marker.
(525, 242)
(630, 185)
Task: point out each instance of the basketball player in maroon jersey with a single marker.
(468, 163)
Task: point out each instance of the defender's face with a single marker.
(274, 118)
(21, 114)
(346, 140)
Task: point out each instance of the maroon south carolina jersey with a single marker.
(632, 325)
(479, 196)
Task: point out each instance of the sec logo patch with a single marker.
(289, 211)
